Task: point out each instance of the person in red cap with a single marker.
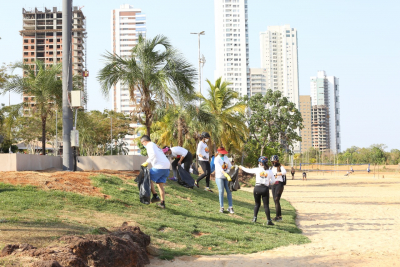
(222, 167)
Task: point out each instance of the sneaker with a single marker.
(173, 179)
(270, 222)
(208, 189)
(231, 210)
(221, 210)
(161, 205)
(275, 219)
(196, 184)
(155, 199)
(254, 220)
(280, 218)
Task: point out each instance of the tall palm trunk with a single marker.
(44, 118)
(180, 130)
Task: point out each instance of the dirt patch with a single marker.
(198, 234)
(123, 246)
(76, 182)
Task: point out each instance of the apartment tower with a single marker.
(305, 109)
(325, 112)
(127, 23)
(232, 44)
(42, 40)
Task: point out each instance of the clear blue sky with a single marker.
(355, 40)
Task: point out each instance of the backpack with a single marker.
(212, 164)
(284, 179)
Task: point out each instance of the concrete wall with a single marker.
(117, 163)
(22, 162)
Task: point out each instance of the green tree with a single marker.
(273, 120)
(228, 114)
(157, 75)
(43, 83)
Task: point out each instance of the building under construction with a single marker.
(42, 40)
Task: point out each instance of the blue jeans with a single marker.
(223, 183)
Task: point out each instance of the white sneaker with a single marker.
(221, 210)
(231, 210)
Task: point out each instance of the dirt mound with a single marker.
(120, 247)
(76, 182)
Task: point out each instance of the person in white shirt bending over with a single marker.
(204, 157)
(181, 156)
(159, 171)
(277, 189)
(222, 167)
(264, 179)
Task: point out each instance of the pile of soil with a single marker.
(76, 182)
(120, 247)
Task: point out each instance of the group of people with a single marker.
(267, 177)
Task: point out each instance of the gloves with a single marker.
(204, 157)
(232, 167)
(228, 177)
(145, 164)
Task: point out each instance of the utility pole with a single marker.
(200, 60)
(111, 137)
(67, 82)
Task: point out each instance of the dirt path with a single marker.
(350, 221)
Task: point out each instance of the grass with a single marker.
(190, 225)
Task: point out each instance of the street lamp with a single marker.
(200, 59)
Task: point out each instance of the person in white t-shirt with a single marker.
(159, 171)
(222, 167)
(181, 156)
(277, 189)
(204, 157)
(264, 180)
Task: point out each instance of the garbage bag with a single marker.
(234, 185)
(195, 170)
(143, 180)
(185, 178)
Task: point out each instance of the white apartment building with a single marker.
(258, 81)
(325, 112)
(232, 44)
(279, 58)
(127, 23)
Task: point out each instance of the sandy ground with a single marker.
(351, 221)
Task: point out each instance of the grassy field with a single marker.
(190, 225)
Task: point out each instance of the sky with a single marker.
(356, 41)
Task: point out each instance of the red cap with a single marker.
(222, 150)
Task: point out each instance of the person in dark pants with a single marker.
(292, 172)
(264, 179)
(204, 157)
(304, 176)
(180, 155)
(277, 189)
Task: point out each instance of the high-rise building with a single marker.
(305, 109)
(127, 23)
(279, 59)
(325, 112)
(258, 81)
(42, 40)
(232, 44)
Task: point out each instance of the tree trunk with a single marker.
(44, 135)
(262, 150)
(180, 137)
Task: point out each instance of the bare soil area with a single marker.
(351, 221)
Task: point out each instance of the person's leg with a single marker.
(278, 194)
(188, 162)
(220, 185)
(153, 190)
(154, 176)
(161, 190)
(257, 200)
(228, 193)
(203, 167)
(208, 173)
(160, 184)
(265, 199)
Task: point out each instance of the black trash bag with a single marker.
(143, 180)
(185, 178)
(195, 170)
(284, 179)
(234, 185)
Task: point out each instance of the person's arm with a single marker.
(198, 152)
(182, 152)
(254, 171)
(151, 154)
(283, 171)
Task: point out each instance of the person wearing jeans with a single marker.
(204, 157)
(222, 167)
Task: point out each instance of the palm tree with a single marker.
(44, 85)
(228, 114)
(158, 76)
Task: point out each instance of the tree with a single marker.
(228, 115)
(273, 120)
(43, 84)
(156, 75)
